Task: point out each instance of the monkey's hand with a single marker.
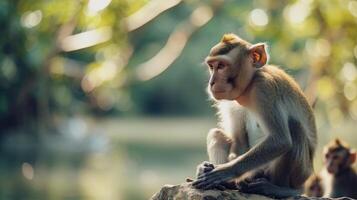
(213, 178)
(204, 167)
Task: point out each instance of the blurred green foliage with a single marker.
(70, 59)
(45, 72)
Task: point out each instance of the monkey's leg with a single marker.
(263, 187)
(289, 171)
(218, 146)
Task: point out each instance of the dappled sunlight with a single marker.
(258, 17)
(27, 170)
(175, 44)
(353, 110)
(100, 99)
(164, 58)
(349, 72)
(319, 48)
(86, 39)
(31, 19)
(105, 72)
(95, 6)
(201, 16)
(352, 7)
(298, 12)
(350, 91)
(148, 12)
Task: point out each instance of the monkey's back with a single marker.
(288, 91)
(291, 100)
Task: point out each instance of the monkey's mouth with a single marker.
(331, 170)
(220, 94)
(218, 91)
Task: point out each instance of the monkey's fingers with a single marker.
(208, 164)
(203, 175)
(200, 183)
(212, 185)
(207, 169)
(210, 180)
(206, 185)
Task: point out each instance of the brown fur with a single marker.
(267, 100)
(339, 177)
(313, 186)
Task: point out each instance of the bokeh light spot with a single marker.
(201, 15)
(31, 19)
(97, 5)
(86, 39)
(325, 88)
(297, 12)
(8, 68)
(350, 91)
(27, 171)
(349, 71)
(353, 110)
(258, 17)
(352, 7)
(318, 48)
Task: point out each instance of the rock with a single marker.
(186, 192)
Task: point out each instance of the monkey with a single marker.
(266, 135)
(313, 186)
(339, 178)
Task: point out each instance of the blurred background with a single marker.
(105, 99)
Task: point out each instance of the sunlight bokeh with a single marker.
(106, 99)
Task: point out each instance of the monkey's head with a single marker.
(338, 157)
(232, 64)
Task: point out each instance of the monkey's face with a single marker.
(224, 75)
(338, 159)
(232, 65)
(333, 161)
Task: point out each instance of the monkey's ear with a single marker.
(352, 157)
(337, 142)
(259, 55)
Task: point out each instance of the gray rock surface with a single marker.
(186, 192)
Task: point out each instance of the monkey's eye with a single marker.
(210, 66)
(220, 65)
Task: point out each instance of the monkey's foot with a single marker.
(262, 186)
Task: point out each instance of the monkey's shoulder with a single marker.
(277, 82)
(274, 74)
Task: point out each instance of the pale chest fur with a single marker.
(235, 119)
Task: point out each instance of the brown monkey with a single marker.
(313, 186)
(340, 180)
(267, 128)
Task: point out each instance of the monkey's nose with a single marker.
(211, 82)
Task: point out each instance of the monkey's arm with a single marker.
(276, 143)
